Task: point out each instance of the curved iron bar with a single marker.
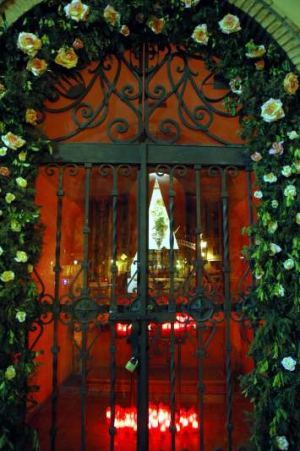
(89, 113)
(180, 96)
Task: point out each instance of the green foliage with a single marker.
(274, 302)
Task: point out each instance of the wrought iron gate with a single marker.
(149, 283)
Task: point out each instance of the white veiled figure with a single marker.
(158, 232)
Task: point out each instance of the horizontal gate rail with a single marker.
(113, 154)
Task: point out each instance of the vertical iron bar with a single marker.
(227, 308)
(172, 387)
(143, 375)
(56, 307)
(171, 194)
(85, 292)
(114, 268)
(172, 309)
(112, 429)
(113, 309)
(199, 263)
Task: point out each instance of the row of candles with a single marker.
(181, 327)
(159, 418)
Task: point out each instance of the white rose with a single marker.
(236, 87)
(293, 135)
(200, 34)
(22, 183)
(258, 194)
(289, 264)
(274, 249)
(290, 191)
(288, 363)
(258, 274)
(282, 443)
(286, 171)
(29, 43)
(230, 24)
(272, 226)
(272, 110)
(279, 291)
(13, 141)
(21, 316)
(76, 10)
(21, 257)
(190, 3)
(270, 178)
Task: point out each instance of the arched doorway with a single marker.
(143, 274)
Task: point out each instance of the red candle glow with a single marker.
(159, 418)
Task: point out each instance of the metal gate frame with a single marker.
(222, 159)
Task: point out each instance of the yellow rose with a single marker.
(111, 16)
(155, 24)
(21, 257)
(256, 51)
(200, 34)
(7, 276)
(12, 141)
(10, 372)
(256, 156)
(31, 116)
(272, 110)
(29, 268)
(15, 226)
(230, 24)
(260, 65)
(4, 171)
(3, 151)
(291, 83)
(22, 156)
(2, 90)
(190, 3)
(29, 43)
(66, 58)
(37, 66)
(125, 30)
(78, 44)
(10, 198)
(22, 183)
(21, 316)
(297, 166)
(76, 10)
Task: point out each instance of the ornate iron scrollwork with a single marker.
(85, 309)
(160, 96)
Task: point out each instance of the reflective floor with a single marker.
(96, 426)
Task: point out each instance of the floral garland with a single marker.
(58, 37)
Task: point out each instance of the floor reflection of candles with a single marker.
(159, 418)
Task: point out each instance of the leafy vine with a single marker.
(58, 37)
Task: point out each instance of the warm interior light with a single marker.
(182, 325)
(159, 418)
